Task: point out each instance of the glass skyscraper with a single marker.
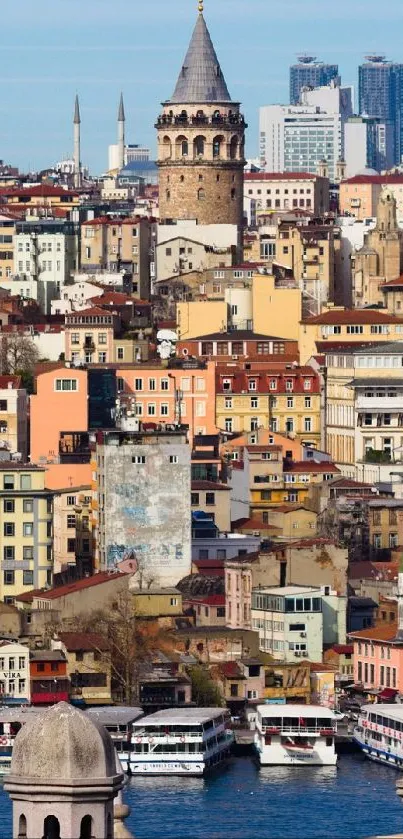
(380, 93)
(310, 73)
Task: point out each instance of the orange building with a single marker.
(58, 406)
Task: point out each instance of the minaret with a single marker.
(121, 133)
(201, 141)
(77, 145)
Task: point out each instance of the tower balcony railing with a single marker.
(223, 120)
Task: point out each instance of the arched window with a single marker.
(182, 146)
(201, 195)
(233, 149)
(198, 146)
(22, 827)
(86, 828)
(51, 828)
(217, 146)
(166, 148)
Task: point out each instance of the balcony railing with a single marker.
(232, 120)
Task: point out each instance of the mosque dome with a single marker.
(63, 743)
(367, 171)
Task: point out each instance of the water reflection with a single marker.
(306, 775)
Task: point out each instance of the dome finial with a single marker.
(201, 6)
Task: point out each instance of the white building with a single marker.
(14, 672)
(74, 297)
(368, 142)
(296, 621)
(295, 138)
(282, 192)
(45, 254)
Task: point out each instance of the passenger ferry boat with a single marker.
(181, 741)
(379, 733)
(11, 720)
(118, 720)
(296, 735)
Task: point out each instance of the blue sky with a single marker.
(52, 49)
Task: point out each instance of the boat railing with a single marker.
(171, 735)
(300, 729)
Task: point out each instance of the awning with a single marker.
(387, 693)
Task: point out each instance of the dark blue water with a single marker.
(355, 800)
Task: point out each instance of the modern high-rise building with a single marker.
(368, 143)
(380, 94)
(297, 138)
(310, 73)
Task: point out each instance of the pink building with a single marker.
(378, 659)
(185, 394)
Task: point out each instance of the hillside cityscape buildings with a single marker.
(201, 406)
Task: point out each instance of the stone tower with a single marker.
(201, 141)
(77, 144)
(381, 258)
(64, 777)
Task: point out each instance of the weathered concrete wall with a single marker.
(147, 509)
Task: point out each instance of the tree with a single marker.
(131, 643)
(205, 693)
(18, 356)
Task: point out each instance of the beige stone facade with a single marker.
(381, 258)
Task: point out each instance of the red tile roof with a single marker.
(70, 588)
(231, 670)
(207, 600)
(261, 449)
(288, 508)
(374, 179)
(240, 380)
(255, 524)
(306, 466)
(398, 281)
(77, 641)
(343, 649)
(376, 633)
(45, 190)
(94, 310)
(12, 382)
(352, 316)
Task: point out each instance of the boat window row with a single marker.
(397, 725)
(297, 722)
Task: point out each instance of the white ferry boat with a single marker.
(118, 720)
(379, 733)
(296, 735)
(11, 720)
(181, 741)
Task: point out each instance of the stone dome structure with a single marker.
(63, 743)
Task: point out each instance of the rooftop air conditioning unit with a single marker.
(235, 357)
(298, 654)
(304, 654)
(302, 635)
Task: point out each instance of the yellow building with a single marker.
(339, 325)
(88, 666)
(286, 681)
(26, 528)
(215, 499)
(284, 398)
(201, 318)
(72, 529)
(299, 477)
(311, 253)
(294, 522)
(114, 244)
(276, 310)
(157, 602)
(7, 232)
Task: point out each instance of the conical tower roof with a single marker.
(200, 79)
(77, 118)
(121, 111)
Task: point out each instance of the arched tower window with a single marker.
(233, 149)
(22, 827)
(166, 148)
(217, 147)
(201, 195)
(86, 828)
(182, 146)
(233, 193)
(200, 116)
(51, 828)
(198, 146)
